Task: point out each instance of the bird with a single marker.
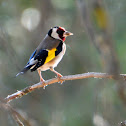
(49, 52)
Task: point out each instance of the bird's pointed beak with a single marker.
(67, 33)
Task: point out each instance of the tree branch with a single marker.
(123, 123)
(31, 88)
(12, 111)
(19, 116)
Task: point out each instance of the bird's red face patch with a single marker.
(61, 28)
(60, 32)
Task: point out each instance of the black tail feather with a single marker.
(24, 70)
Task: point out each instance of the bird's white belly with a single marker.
(53, 63)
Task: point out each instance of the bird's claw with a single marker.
(59, 78)
(61, 81)
(43, 82)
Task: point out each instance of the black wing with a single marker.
(41, 57)
(58, 49)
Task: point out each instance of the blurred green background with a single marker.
(87, 102)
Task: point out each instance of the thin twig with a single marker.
(15, 117)
(123, 123)
(20, 117)
(29, 89)
(12, 111)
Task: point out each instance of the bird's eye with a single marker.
(56, 27)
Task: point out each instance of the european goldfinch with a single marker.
(49, 52)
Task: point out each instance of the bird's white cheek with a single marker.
(55, 35)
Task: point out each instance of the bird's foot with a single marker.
(59, 77)
(43, 82)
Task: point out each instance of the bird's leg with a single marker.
(58, 74)
(41, 79)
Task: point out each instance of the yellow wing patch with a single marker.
(51, 55)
